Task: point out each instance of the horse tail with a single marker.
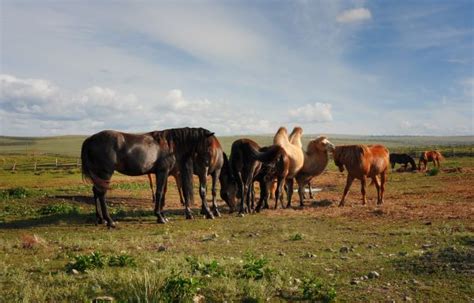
(266, 154)
(87, 173)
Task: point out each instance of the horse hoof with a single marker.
(241, 214)
(111, 225)
(217, 214)
(189, 217)
(209, 216)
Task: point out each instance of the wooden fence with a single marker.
(38, 165)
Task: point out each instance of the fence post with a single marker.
(36, 165)
(56, 162)
(77, 163)
(14, 166)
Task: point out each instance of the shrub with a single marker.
(315, 291)
(255, 268)
(178, 288)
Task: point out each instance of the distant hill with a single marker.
(71, 145)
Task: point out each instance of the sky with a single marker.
(237, 67)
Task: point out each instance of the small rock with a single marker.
(75, 271)
(427, 245)
(413, 281)
(198, 299)
(373, 275)
(358, 255)
(344, 250)
(408, 299)
(103, 299)
(281, 253)
(355, 281)
(310, 255)
(162, 248)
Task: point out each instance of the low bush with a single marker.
(314, 290)
(55, 209)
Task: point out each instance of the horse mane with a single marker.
(350, 155)
(187, 140)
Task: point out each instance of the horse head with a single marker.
(228, 185)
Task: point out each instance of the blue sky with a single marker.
(237, 67)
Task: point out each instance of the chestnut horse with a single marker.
(427, 156)
(363, 161)
(294, 151)
(316, 159)
(156, 152)
(246, 160)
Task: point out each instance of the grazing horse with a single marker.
(427, 156)
(246, 160)
(402, 159)
(214, 169)
(277, 169)
(156, 152)
(316, 159)
(294, 151)
(363, 161)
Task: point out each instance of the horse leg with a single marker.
(383, 179)
(161, 179)
(263, 195)
(362, 190)
(150, 180)
(179, 187)
(98, 210)
(214, 176)
(105, 212)
(186, 173)
(203, 192)
(289, 184)
(349, 181)
(240, 183)
(377, 186)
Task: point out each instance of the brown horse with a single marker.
(294, 151)
(155, 152)
(316, 159)
(429, 156)
(363, 161)
(246, 160)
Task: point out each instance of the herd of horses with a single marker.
(184, 152)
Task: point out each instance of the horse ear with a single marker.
(210, 134)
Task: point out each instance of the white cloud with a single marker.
(317, 112)
(354, 15)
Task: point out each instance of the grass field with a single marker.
(418, 246)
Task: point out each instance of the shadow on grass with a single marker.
(89, 218)
(444, 260)
(322, 203)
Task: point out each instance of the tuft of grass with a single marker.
(314, 290)
(180, 288)
(433, 172)
(255, 268)
(296, 237)
(14, 193)
(212, 268)
(58, 209)
(122, 261)
(85, 262)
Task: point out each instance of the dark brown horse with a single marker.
(246, 159)
(363, 161)
(429, 156)
(157, 152)
(404, 159)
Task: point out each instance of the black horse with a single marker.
(157, 152)
(402, 159)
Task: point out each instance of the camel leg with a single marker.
(289, 192)
(362, 190)
(349, 181)
(98, 210)
(301, 193)
(310, 190)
